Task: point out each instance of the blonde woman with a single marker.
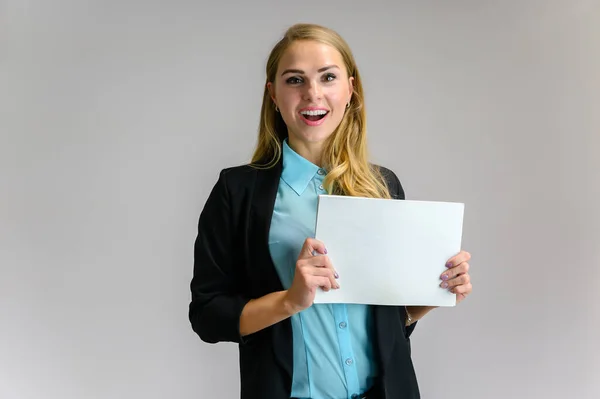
(257, 266)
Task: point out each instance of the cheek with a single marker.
(337, 98)
(288, 98)
(288, 101)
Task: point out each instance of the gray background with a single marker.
(116, 118)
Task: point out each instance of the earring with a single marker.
(276, 109)
(348, 105)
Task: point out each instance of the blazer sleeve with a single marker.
(397, 192)
(216, 303)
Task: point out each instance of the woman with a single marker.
(257, 266)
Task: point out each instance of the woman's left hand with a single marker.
(456, 279)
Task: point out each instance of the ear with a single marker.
(350, 87)
(271, 91)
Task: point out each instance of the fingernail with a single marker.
(325, 251)
(444, 277)
(336, 275)
(449, 264)
(444, 285)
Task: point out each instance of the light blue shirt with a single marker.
(333, 354)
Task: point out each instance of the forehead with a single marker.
(309, 56)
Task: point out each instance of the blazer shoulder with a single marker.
(392, 181)
(246, 178)
(233, 179)
(238, 174)
(238, 171)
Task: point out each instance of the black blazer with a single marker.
(232, 264)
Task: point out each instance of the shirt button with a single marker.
(321, 172)
(321, 187)
(354, 395)
(343, 324)
(349, 362)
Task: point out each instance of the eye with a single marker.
(329, 77)
(294, 80)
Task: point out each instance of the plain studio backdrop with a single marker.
(116, 118)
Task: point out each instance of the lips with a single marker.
(313, 116)
(314, 120)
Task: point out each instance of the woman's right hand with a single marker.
(312, 272)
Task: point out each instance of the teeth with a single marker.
(314, 113)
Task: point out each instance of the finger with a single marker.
(322, 282)
(322, 272)
(465, 289)
(308, 269)
(462, 256)
(312, 246)
(455, 271)
(460, 280)
(331, 275)
(322, 261)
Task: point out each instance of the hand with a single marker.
(311, 273)
(456, 279)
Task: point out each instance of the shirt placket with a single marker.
(340, 314)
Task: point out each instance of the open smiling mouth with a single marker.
(313, 116)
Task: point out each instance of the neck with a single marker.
(307, 150)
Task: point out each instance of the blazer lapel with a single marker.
(263, 203)
(385, 334)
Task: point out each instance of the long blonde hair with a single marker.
(345, 155)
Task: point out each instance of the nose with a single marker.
(312, 91)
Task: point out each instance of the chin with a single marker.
(314, 135)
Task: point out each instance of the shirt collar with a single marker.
(297, 170)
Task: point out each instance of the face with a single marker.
(311, 90)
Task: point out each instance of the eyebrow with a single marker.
(302, 72)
